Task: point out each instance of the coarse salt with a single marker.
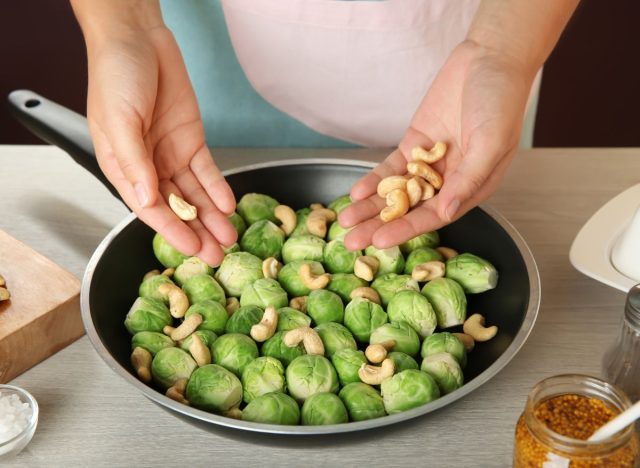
(14, 416)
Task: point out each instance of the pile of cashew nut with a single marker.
(5, 295)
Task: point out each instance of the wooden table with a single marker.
(91, 417)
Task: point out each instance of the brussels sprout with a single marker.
(234, 351)
(147, 314)
(444, 342)
(428, 239)
(413, 308)
(264, 375)
(362, 316)
(237, 270)
(325, 306)
(165, 253)
(324, 408)
(243, 319)
(214, 388)
(149, 287)
(207, 337)
(448, 300)
(191, 266)
(238, 223)
(408, 389)
(337, 232)
(263, 293)
(388, 285)
(362, 401)
(309, 374)
(233, 248)
(445, 370)
(402, 361)
(340, 203)
(391, 259)
(347, 362)
(254, 207)
(304, 247)
(343, 283)
(272, 408)
(263, 239)
(406, 338)
(200, 288)
(338, 259)
(170, 365)
(335, 337)
(421, 255)
(214, 315)
(289, 277)
(289, 318)
(301, 223)
(151, 341)
(274, 347)
(473, 273)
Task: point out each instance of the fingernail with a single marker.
(141, 193)
(452, 209)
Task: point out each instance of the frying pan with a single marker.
(114, 272)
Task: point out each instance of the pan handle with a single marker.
(58, 126)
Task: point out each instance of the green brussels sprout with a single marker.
(149, 287)
(421, 255)
(408, 389)
(191, 266)
(237, 270)
(340, 203)
(147, 314)
(473, 273)
(272, 408)
(324, 408)
(362, 401)
(343, 283)
(289, 318)
(337, 232)
(254, 207)
(324, 306)
(301, 223)
(406, 338)
(335, 337)
(170, 365)
(214, 315)
(402, 361)
(238, 223)
(362, 316)
(303, 247)
(214, 388)
(391, 259)
(274, 347)
(413, 308)
(263, 293)
(444, 342)
(243, 319)
(200, 288)
(165, 253)
(445, 370)
(151, 341)
(309, 374)
(234, 351)
(428, 239)
(347, 362)
(207, 337)
(263, 239)
(388, 285)
(233, 248)
(338, 259)
(264, 375)
(289, 277)
(448, 300)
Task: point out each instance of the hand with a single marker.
(475, 105)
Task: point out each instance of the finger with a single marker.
(360, 237)
(360, 211)
(394, 164)
(213, 181)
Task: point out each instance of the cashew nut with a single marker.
(178, 300)
(474, 326)
(397, 205)
(271, 267)
(308, 336)
(168, 272)
(187, 327)
(366, 267)
(267, 327)
(376, 353)
(419, 190)
(433, 155)
(180, 207)
(235, 413)
(4, 294)
(200, 351)
(390, 183)
(316, 206)
(168, 330)
(2, 281)
(366, 293)
(422, 169)
(447, 252)
(312, 281)
(318, 219)
(287, 217)
(299, 303)
(375, 375)
(428, 270)
(176, 392)
(141, 362)
(232, 305)
(150, 274)
(467, 340)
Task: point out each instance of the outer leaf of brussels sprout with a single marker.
(214, 315)
(406, 338)
(213, 388)
(151, 341)
(347, 363)
(170, 365)
(337, 232)
(254, 207)
(402, 361)
(289, 318)
(413, 308)
(191, 266)
(200, 288)
(289, 277)
(263, 293)
(149, 287)
(325, 306)
(408, 389)
(335, 337)
(243, 319)
(448, 300)
(428, 239)
(263, 239)
(340, 203)
(303, 247)
(391, 259)
(343, 283)
(309, 374)
(238, 223)
(445, 370)
(473, 273)
(165, 253)
(207, 337)
(264, 375)
(301, 222)
(362, 401)
(421, 255)
(274, 347)
(338, 259)
(324, 408)
(444, 342)
(272, 408)
(237, 270)
(234, 351)
(361, 317)
(388, 285)
(147, 314)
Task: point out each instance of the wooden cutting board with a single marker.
(43, 314)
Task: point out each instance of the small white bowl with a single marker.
(13, 446)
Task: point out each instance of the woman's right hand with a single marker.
(146, 127)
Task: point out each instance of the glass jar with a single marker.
(561, 413)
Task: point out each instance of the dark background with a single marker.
(590, 94)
